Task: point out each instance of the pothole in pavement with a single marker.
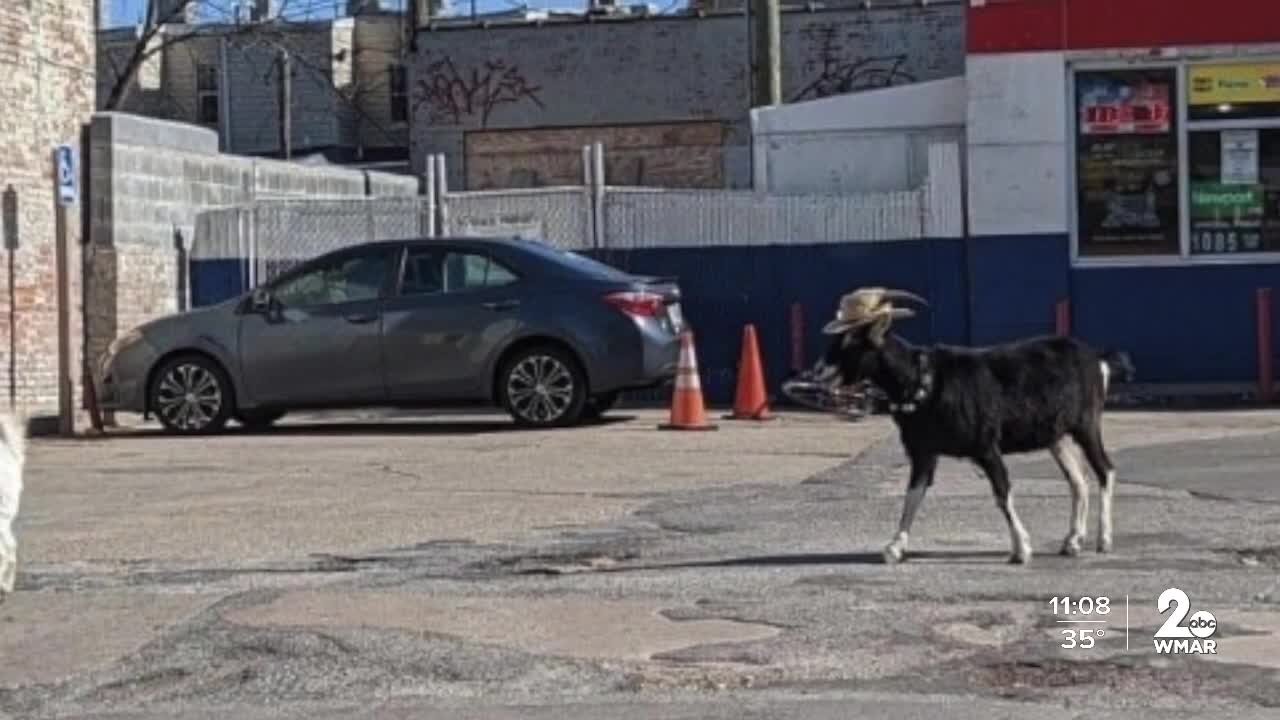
(1267, 556)
(1139, 680)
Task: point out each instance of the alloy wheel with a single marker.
(189, 397)
(540, 388)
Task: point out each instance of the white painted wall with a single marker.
(869, 141)
(1017, 143)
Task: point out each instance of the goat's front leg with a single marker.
(993, 466)
(922, 469)
(1069, 462)
(8, 558)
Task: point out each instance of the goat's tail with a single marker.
(13, 432)
(1119, 366)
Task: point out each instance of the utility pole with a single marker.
(286, 106)
(767, 41)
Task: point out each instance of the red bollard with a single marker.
(1062, 317)
(797, 337)
(1263, 302)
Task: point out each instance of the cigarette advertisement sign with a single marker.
(1115, 104)
(1234, 84)
(1226, 218)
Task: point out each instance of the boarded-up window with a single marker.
(674, 155)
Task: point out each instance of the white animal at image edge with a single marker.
(13, 436)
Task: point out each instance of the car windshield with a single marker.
(574, 261)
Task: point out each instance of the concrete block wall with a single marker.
(150, 179)
(46, 93)
(660, 70)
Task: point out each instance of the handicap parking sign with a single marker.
(65, 165)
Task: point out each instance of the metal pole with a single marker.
(66, 390)
(442, 192)
(429, 209)
(768, 48)
(598, 180)
(286, 106)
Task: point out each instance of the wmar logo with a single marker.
(1193, 638)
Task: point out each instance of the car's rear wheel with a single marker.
(190, 394)
(258, 419)
(543, 386)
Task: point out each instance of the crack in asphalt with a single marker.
(211, 659)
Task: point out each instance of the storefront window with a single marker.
(1235, 191)
(1234, 151)
(1127, 162)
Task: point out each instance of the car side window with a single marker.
(431, 271)
(469, 271)
(349, 278)
(422, 273)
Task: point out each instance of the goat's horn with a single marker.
(904, 295)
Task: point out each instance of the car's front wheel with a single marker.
(190, 394)
(543, 387)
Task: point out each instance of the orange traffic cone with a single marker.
(750, 402)
(688, 412)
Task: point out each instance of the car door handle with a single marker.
(361, 318)
(498, 305)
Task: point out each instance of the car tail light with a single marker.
(637, 304)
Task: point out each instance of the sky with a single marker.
(128, 12)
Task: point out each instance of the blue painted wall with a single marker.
(725, 288)
(1180, 324)
(1016, 282)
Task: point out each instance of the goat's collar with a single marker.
(913, 398)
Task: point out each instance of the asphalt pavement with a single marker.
(455, 567)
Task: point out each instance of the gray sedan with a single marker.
(551, 336)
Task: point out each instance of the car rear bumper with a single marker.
(651, 361)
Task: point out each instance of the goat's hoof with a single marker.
(1104, 545)
(1070, 547)
(892, 555)
(1020, 558)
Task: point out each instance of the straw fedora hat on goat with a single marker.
(870, 305)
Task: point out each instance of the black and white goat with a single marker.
(980, 404)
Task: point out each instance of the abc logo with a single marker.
(1202, 624)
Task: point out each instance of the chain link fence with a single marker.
(239, 247)
(561, 216)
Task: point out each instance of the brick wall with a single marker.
(660, 70)
(673, 155)
(46, 93)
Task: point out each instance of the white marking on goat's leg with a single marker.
(8, 560)
(1018, 537)
(894, 551)
(1069, 462)
(1106, 375)
(1104, 512)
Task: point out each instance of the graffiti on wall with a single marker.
(455, 97)
(839, 74)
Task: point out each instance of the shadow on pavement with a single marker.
(802, 559)
(375, 428)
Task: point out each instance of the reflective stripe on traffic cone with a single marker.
(750, 401)
(688, 412)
